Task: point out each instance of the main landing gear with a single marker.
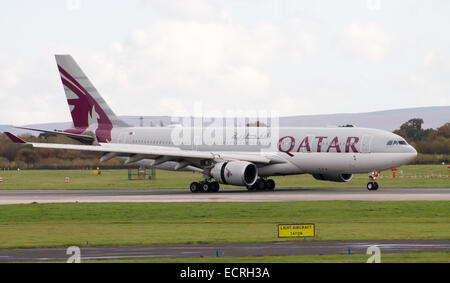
(373, 185)
(262, 185)
(213, 187)
(204, 187)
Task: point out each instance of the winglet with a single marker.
(14, 138)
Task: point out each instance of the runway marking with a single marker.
(231, 250)
(176, 195)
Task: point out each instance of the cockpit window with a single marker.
(393, 142)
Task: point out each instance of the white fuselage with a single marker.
(302, 150)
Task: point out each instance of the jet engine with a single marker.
(238, 173)
(333, 177)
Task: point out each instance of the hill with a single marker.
(388, 120)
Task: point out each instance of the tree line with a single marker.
(13, 156)
(433, 146)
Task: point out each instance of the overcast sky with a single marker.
(157, 57)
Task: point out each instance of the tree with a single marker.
(28, 156)
(256, 124)
(444, 131)
(8, 149)
(413, 129)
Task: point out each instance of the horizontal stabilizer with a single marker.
(14, 139)
(85, 139)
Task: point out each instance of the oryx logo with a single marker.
(87, 114)
(229, 174)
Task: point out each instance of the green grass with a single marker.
(63, 225)
(442, 257)
(426, 176)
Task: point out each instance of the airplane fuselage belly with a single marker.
(322, 163)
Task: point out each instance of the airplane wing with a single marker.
(85, 139)
(136, 153)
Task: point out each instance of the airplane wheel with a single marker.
(252, 188)
(260, 185)
(215, 187)
(205, 187)
(270, 185)
(194, 187)
(372, 186)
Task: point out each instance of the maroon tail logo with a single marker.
(87, 115)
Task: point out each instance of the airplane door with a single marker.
(366, 144)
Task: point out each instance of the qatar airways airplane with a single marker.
(245, 159)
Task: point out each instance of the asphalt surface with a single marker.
(229, 250)
(233, 195)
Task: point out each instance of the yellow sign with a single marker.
(296, 230)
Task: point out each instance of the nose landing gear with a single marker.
(373, 185)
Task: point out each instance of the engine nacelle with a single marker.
(238, 173)
(333, 177)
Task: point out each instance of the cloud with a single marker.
(26, 91)
(9, 78)
(368, 40)
(228, 56)
(429, 58)
(186, 61)
(199, 10)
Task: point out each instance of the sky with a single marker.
(163, 57)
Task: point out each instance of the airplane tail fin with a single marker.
(90, 112)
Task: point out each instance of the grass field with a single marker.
(414, 176)
(63, 225)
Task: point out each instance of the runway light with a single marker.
(349, 251)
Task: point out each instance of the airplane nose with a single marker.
(413, 153)
(413, 150)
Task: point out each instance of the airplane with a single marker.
(328, 154)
